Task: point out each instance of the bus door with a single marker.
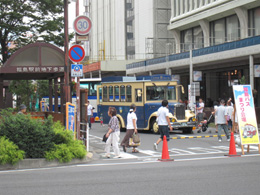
(138, 95)
(99, 98)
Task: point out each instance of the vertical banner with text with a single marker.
(70, 117)
(245, 110)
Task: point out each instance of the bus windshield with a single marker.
(155, 93)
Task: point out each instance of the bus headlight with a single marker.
(193, 119)
(173, 120)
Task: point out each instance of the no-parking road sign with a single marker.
(76, 53)
(82, 25)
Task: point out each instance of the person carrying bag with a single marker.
(131, 127)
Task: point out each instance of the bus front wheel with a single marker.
(154, 127)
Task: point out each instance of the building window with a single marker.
(225, 29)
(254, 22)
(192, 39)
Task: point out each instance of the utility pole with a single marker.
(66, 52)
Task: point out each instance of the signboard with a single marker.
(195, 89)
(81, 37)
(197, 75)
(43, 106)
(192, 98)
(176, 77)
(70, 116)
(257, 70)
(76, 70)
(42, 69)
(82, 25)
(76, 53)
(245, 111)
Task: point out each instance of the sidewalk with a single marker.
(43, 163)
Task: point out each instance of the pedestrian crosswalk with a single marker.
(173, 152)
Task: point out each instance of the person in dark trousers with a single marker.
(163, 122)
(89, 113)
(131, 128)
(222, 122)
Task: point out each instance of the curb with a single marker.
(43, 163)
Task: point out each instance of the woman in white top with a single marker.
(131, 128)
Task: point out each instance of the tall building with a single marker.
(127, 31)
(217, 44)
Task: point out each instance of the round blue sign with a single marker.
(76, 53)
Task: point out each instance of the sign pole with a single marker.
(78, 106)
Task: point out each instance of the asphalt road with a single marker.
(199, 167)
(213, 176)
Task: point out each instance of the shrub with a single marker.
(33, 136)
(9, 152)
(66, 148)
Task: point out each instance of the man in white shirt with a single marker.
(163, 122)
(200, 109)
(222, 122)
(89, 113)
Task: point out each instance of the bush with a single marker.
(33, 136)
(9, 152)
(66, 148)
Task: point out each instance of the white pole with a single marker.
(87, 137)
(191, 68)
(251, 71)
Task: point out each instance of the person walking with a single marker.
(112, 134)
(89, 114)
(222, 122)
(230, 111)
(131, 128)
(200, 109)
(163, 122)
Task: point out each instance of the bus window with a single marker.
(111, 95)
(171, 90)
(154, 93)
(117, 93)
(138, 95)
(128, 93)
(122, 93)
(105, 94)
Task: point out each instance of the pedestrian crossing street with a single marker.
(173, 152)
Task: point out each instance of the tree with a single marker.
(24, 21)
(24, 90)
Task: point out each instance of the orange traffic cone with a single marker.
(165, 152)
(232, 147)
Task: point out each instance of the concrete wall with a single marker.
(108, 31)
(144, 25)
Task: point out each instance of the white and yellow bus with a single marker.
(147, 93)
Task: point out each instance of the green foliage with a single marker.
(242, 81)
(24, 90)
(66, 148)
(9, 152)
(33, 136)
(24, 21)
